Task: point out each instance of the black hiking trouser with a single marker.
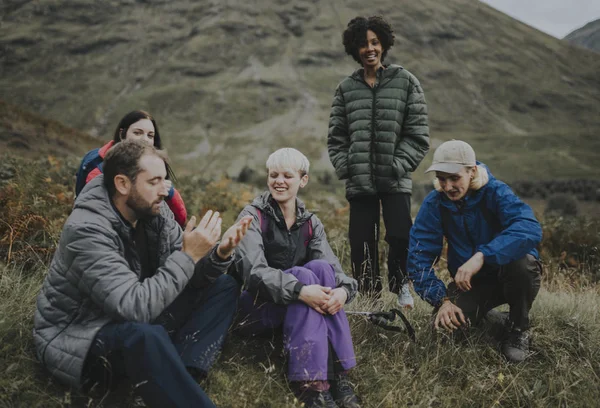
(363, 233)
(516, 283)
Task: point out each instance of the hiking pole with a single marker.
(384, 320)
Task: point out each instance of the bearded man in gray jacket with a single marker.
(129, 288)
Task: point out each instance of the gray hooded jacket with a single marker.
(262, 260)
(94, 279)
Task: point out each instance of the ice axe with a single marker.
(384, 320)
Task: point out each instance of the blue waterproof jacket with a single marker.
(491, 220)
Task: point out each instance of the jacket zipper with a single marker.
(290, 253)
(372, 146)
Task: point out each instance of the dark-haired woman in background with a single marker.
(138, 125)
(378, 135)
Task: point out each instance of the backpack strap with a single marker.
(91, 161)
(263, 221)
(307, 232)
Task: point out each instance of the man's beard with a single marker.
(140, 207)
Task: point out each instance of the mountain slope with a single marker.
(587, 36)
(28, 135)
(231, 80)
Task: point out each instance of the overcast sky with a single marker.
(555, 17)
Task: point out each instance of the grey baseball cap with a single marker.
(451, 156)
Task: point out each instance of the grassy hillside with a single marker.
(587, 36)
(230, 81)
(26, 134)
(436, 371)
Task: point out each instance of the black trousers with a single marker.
(516, 283)
(363, 233)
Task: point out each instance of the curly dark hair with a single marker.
(355, 35)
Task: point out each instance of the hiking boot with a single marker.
(516, 345)
(405, 299)
(313, 397)
(342, 392)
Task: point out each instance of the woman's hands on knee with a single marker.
(337, 301)
(315, 296)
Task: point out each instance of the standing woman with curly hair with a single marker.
(137, 125)
(378, 135)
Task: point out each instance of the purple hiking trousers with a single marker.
(305, 331)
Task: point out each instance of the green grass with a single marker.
(392, 371)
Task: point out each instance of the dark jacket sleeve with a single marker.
(319, 248)
(270, 283)
(414, 144)
(338, 139)
(425, 247)
(521, 231)
(108, 280)
(209, 268)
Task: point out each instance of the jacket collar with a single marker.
(266, 203)
(385, 72)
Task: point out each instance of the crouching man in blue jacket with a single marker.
(492, 237)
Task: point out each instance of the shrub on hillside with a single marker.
(33, 207)
(574, 242)
(562, 205)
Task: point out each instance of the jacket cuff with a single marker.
(349, 295)
(217, 261)
(487, 254)
(342, 172)
(399, 169)
(438, 300)
(297, 288)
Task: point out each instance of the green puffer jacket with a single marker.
(378, 136)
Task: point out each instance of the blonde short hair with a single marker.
(479, 180)
(288, 158)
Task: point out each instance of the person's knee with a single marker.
(524, 270)
(304, 275)
(320, 268)
(472, 311)
(138, 333)
(226, 282)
